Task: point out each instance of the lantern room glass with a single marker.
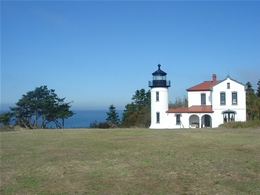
(158, 77)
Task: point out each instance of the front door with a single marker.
(207, 121)
(229, 116)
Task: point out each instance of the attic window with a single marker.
(228, 85)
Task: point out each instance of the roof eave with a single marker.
(198, 89)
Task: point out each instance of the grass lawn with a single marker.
(130, 161)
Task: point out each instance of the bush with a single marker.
(104, 125)
(99, 125)
(247, 124)
(6, 128)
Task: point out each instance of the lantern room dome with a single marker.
(159, 72)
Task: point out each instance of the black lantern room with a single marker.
(159, 79)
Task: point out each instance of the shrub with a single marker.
(101, 125)
(246, 124)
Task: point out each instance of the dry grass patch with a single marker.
(131, 161)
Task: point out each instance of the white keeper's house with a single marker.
(210, 103)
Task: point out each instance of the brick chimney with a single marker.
(214, 77)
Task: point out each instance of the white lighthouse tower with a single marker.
(159, 99)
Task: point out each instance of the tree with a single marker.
(138, 112)
(258, 98)
(112, 116)
(179, 103)
(5, 118)
(39, 107)
(129, 116)
(251, 103)
(258, 89)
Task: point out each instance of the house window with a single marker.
(157, 117)
(178, 119)
(234, 98)
(228, 85)
(222, 98)
(203, 98)
(157, 96)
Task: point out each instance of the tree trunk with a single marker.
(24, 124)
(57, 124)
(35, 119)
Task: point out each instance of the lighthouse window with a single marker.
(157, 96)
(159, 77)
(157, 117)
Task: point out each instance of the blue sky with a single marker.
(96, 53)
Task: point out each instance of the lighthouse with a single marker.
(159, 99)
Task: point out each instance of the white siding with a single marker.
(194, 97)
(239, 108)
(160, 106)
(234, 87)
(171, 121)
(186, 119)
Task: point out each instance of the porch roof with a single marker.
(192, 109)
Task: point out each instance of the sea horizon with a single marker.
(82, 118)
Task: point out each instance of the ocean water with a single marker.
(83, 118)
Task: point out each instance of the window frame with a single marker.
(157, 117)
(223, 98)
(232, 98)
(203, 95)
(157, 96)
(228, 85)
(178, 119)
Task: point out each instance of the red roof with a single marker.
(205, 86)
(192, 109)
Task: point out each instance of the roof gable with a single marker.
(208, 85)
(228, 77)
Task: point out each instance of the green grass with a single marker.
(130, 161)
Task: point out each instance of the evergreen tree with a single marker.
(251, 103)
(258, 89)
(138, 112)
(258, 98)
(5, 118)
(39, 107)
(112, 116)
